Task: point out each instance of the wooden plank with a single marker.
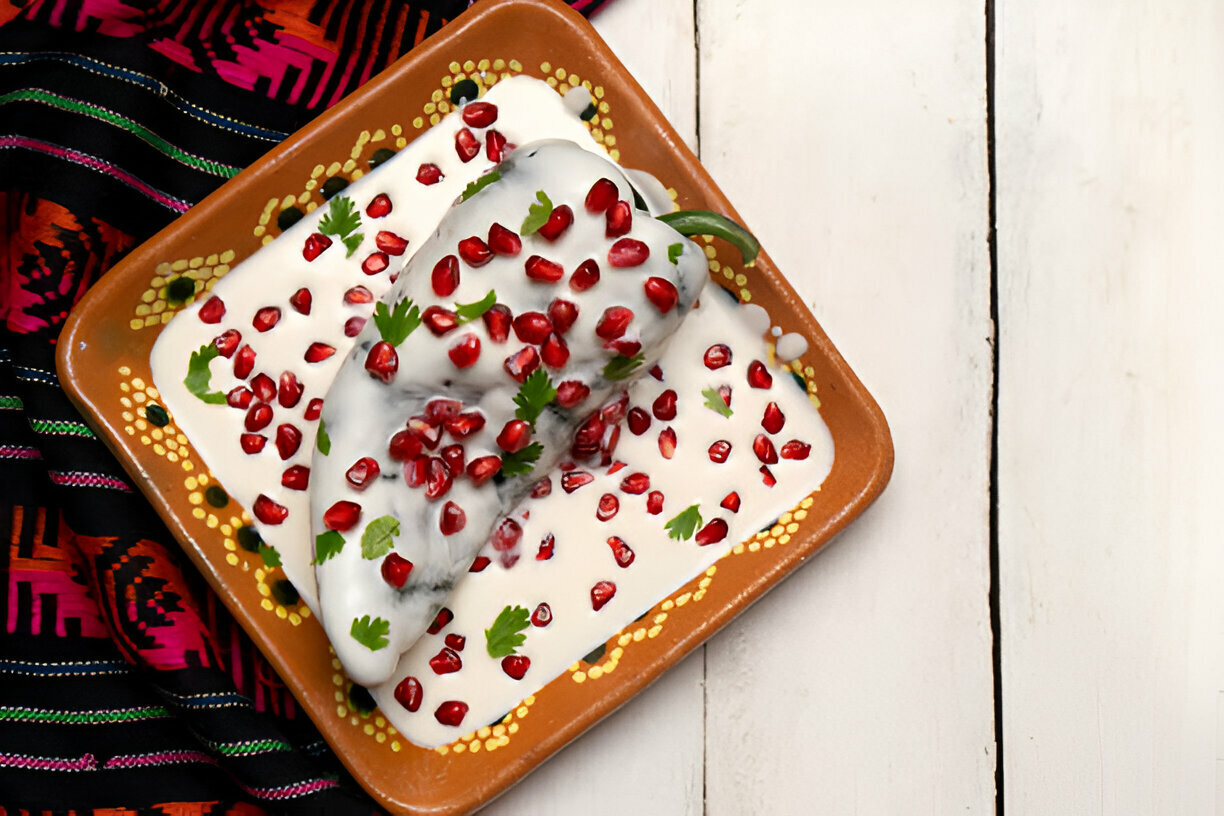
(1109, 172)
(646, 758)
(852, 138)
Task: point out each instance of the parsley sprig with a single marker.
(523, 462)
(343, 220)
(198, 375)
(479, 184)
(714, 402)
(534, 394)
(327, 545)
(537, 214)
(467, 312)
(620, 366)
(684, 524)
(394, 325)
(506, 633)
(674, 251)
(379, 537)
(371, 634)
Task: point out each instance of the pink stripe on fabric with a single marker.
(292, 791)
(159, 758)
(16, 452)
(93, 163)
(79, 479)
(85, 763)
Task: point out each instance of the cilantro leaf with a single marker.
(342, 220)
(322, 440)
(270, 556)
(684, 524)
(327, 545)
(377, 541)
(674, 252)
(394, 325)
(535, 393)
(505, 635)
(371, 634)
(537, 214)
(521, 463)
(198, 375)
(466, 312)
(714, 402)
(620, 366)
(479, 184)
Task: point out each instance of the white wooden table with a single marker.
(1090, 427)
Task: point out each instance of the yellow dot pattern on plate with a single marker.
(490, 738)
(155, 306)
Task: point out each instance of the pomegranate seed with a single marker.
(724, 393)
(227, 342)
(731, 502)
(318, 352)
(390, 243)
(212, 311)
(717, 356)
(614, 411)
(296, 477)
(426, 430)
(495, 146)
(588, 436)
(497, 322)
(654, 503)
(613, 322)
(574, 479)
(542, 488)
(382, 361)
(480, 114)
(758, 377)
(315, 244)
(439, 320)
(453, 456)
(451, 712)
(543, 270)
(795, 449)
(313, 409)
(455, 641)
(268, 511)
(621, 551)
(764, 449)
(464, 425)
(541, 615)
(258, 417)
(635, 484)
(379, 206)
(289, 392)
(547, 544)
(774, 419)
(341, 516)
(516, 665)
(239, 398)
(395, 570)
(252, 443)
(266, 318)
(624, 347)
(515, 435)
(453, 519)
(639, 421)
(767, 477)
(362, 472)
(466, 352)
(520, 364)
(667, 442)
(656, 372)
(445, 276)
(264, 388)
(608, 507)
(602, 195)
(585, 276)
(503, 241)
(532, 327)
(438, 478)
(662, 293)
(712, 533)
(601, 593)
(506, 535)
(446, 661)
(288, 440)
(443, 617)
(353, 326)
(628, 252)
(719, 451)
(482, 469)
(429, 174)
(609, 445)
(559, 220)
(562, 313)
(408, 693)
(554, 352)
(479, 563)
(358, 295)
(415, 470)
(475, 251)
(664, 406)
(440, 409)
(571, 392)
(466, 145)
(619, 220)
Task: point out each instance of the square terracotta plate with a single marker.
(104, 363)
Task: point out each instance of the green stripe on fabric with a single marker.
(11, 404)
(135, 128)
(44, 715)
(251, 748)
(61, 428)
